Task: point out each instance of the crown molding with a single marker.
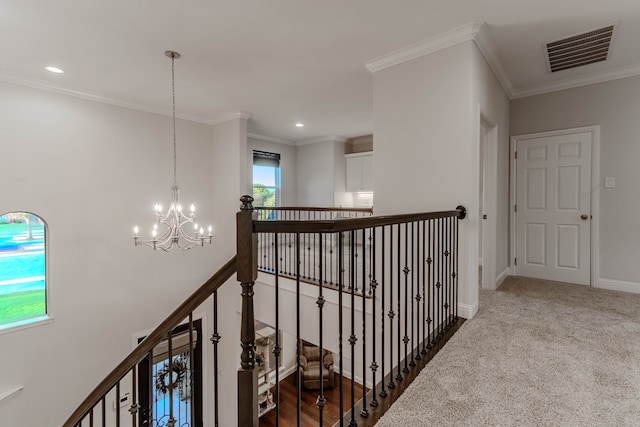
(332, 138)
(231, 116)
(476, 31)
(270, 139)
(441, 41)
(48, 87)
(487, 46)
(601, 77)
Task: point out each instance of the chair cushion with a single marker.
(312, 373)
(311, 353)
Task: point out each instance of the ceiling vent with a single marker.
(583, 49)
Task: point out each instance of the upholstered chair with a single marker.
(310, 362)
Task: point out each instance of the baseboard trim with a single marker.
(618, 285)
(285, 372)
(467, 311)
(502, 276)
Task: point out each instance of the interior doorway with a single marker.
(172, 386)
(487, 203)
(553, 177)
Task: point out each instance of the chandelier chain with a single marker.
(173, 115)
(171, 228)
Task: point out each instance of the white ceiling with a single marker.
(283, 61)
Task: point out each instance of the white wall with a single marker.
(92, 171)
(490, 101)
(425, 158)
(340, 195)
(315, 184)
(426, 127)
(320, 172)
(614, 106)
(288, 180)
(230, 183)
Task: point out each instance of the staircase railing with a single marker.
(385, 319)
(93, 410)
(310, 243)
(394, 306)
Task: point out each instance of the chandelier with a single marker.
(173, 227)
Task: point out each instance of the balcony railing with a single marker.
(382, 322)
(312, 246)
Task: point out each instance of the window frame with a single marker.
(268, 159)
(45, 318)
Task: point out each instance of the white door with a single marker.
(553, 207)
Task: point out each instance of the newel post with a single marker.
(247, 263)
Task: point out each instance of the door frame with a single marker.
(144, 383)
(488, 158)
(595, 194)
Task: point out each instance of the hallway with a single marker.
(537, 353)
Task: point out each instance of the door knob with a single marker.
(484, 216)
(584, 217)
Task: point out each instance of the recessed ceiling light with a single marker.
(54, 70)
(299, 125)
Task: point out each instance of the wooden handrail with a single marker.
(338, 225)
(312, 209)
(152, 340)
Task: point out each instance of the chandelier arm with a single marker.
(173, 222)
(189, 245)
(191, 239)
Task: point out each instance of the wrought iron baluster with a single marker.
(104, 410)
(133, 409)
(383, 391)
(191, 373)
(417, 268)
(290, 251)
(331, 269)
(327, 269)
(365, 411)
(445, 274)
(150, 412)
(425, 324)
(340, 321)
(118, 404)
(374, 286)
(302, 261)
(321, 401)
(172, 420)
(399, 340)
(440, 281)
(432, 282)
(457, 272)
(406, 298)
(412, 363)
(352, 337)
(450, 271)
(215, 340)
(298, 379)
(276, 348)
(392, 383)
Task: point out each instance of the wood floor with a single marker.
(309, 413)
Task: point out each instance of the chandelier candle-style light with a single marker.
(174, 228)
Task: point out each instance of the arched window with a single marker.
(23, 281)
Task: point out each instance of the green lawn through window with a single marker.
(22, 305)
(22, 268)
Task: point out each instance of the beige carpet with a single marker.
(537, 353)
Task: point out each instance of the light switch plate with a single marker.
(609, 182)
(124, 401)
